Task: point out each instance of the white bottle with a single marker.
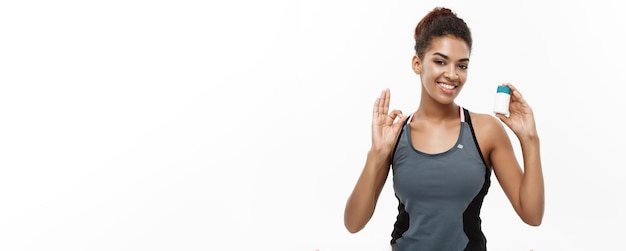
(503, 97)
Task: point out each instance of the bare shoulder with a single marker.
(485, 122)
(489, 131)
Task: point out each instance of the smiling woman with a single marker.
(198, 125)
(442, 155)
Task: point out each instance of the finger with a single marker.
(503, 118)
(514, 92)
(378, 103)
(386, 100)
(395, 113)
(381, 104)
(391, 117)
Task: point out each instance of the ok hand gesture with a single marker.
(384, 130)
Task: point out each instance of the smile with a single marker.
(446, 86)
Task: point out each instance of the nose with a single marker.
(451, 73)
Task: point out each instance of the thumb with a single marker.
(400, 122)
(503, 118)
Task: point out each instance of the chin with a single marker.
(446, 100)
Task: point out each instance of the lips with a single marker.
(446, 88)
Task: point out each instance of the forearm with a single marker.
(532, 187)
(362, 202)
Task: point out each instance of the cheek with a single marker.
(433, 71)
(462, 76)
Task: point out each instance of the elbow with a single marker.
(532, 216)
(353, 228)
(533, 221)
(356, 217)
(352, 224)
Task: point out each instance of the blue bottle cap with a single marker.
(504, 89)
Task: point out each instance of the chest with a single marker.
(454, 173)
(434, 138)
(439, 179)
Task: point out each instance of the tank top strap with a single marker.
(462, 114)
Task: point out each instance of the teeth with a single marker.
(449, 87)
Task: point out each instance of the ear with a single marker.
(416, 64)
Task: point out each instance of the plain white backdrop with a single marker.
(243, 125)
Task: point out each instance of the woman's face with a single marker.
(443, 70)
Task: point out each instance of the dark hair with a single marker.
(438, 23)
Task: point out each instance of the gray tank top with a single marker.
(439, 195)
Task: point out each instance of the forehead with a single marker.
(453, 47)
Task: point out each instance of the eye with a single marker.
(440, 62)
(463, 66)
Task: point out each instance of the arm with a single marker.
(362, 201)
(525, 189)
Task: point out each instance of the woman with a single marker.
(442, 155)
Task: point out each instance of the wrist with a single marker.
(378, 156)
(529, 139)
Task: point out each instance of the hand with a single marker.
(384, 130)
(521, 119)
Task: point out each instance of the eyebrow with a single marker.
(446, 57)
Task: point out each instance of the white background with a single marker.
(243, 125)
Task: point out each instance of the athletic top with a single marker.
(439, 195)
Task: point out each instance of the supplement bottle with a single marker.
(503, 97)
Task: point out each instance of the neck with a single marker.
(429, 109)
